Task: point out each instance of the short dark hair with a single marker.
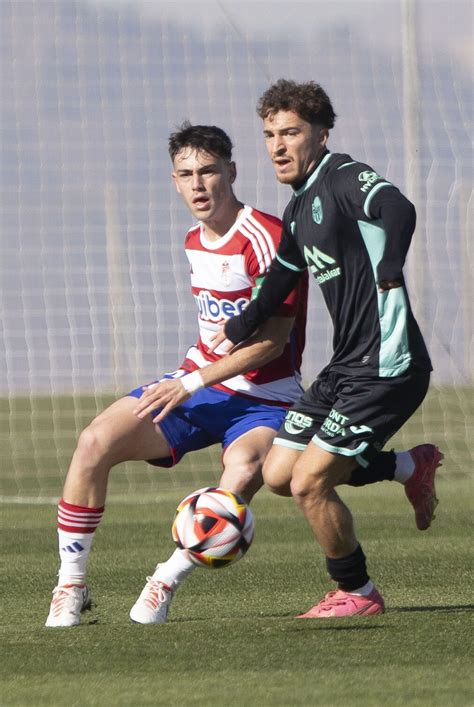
(205, 138)
(309, 100)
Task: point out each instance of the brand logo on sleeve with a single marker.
(368, 178)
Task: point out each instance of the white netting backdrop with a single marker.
(93, 280)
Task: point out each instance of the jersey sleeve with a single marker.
(398, 216)
(283, 276)
(261, 248)
(258, 262)
(354, 186)
(364, 195)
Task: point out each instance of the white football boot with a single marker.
(66, 606)
(153, 604)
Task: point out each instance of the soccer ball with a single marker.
(214, 525)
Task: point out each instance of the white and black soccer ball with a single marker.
(214, 525)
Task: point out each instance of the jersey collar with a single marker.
(223, 240)
(313, 176)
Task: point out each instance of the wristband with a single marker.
(192, 382)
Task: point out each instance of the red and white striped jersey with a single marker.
(224, 274)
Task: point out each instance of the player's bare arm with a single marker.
(265, 345)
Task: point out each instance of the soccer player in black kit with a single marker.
(351, 228)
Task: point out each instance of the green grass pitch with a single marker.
(232, 638)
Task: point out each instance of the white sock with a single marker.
(76, 528)
(74, 549)
(363, 591)
(174, 571)
(405, 466)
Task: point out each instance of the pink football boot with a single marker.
(420, 487)
(341, 603)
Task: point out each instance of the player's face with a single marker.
(205, 183)
(293, 144)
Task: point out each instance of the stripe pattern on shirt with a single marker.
(223, 275)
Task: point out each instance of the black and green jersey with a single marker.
(351, 229)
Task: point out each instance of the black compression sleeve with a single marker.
(398, 216)
(278, 283)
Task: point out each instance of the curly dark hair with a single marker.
(208, 138)
(309, 100)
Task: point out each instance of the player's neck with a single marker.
(312, 168)
(217, 227)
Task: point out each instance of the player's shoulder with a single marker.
(268, 221)
(259, 234)
(352, 182)
(193, 235)
(343, 169)
(262, 231)
(340, 164)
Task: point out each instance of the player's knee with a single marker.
(247, 488)
(244, 478)
(277, 477)
(93, 447)
(310, 483)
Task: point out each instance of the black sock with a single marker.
(382, 468)
(349, 572)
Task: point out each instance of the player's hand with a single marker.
(167, 394)
(385, 285)
(219, 339)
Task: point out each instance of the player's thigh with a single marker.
(278, 469)
(243, 461)
(295, 434)
(317, 471)
(118, 435)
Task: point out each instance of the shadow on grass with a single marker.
(451, 607)
(314, 624)
(328, 625)
(297, 625)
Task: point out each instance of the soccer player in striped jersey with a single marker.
(229, 251)
(351, 229)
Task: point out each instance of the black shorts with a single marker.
(353, 415)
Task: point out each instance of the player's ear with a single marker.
(173, 176)
(232, 172)
(323, 136)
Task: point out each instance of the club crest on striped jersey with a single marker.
(226, 273)
(317, 210)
